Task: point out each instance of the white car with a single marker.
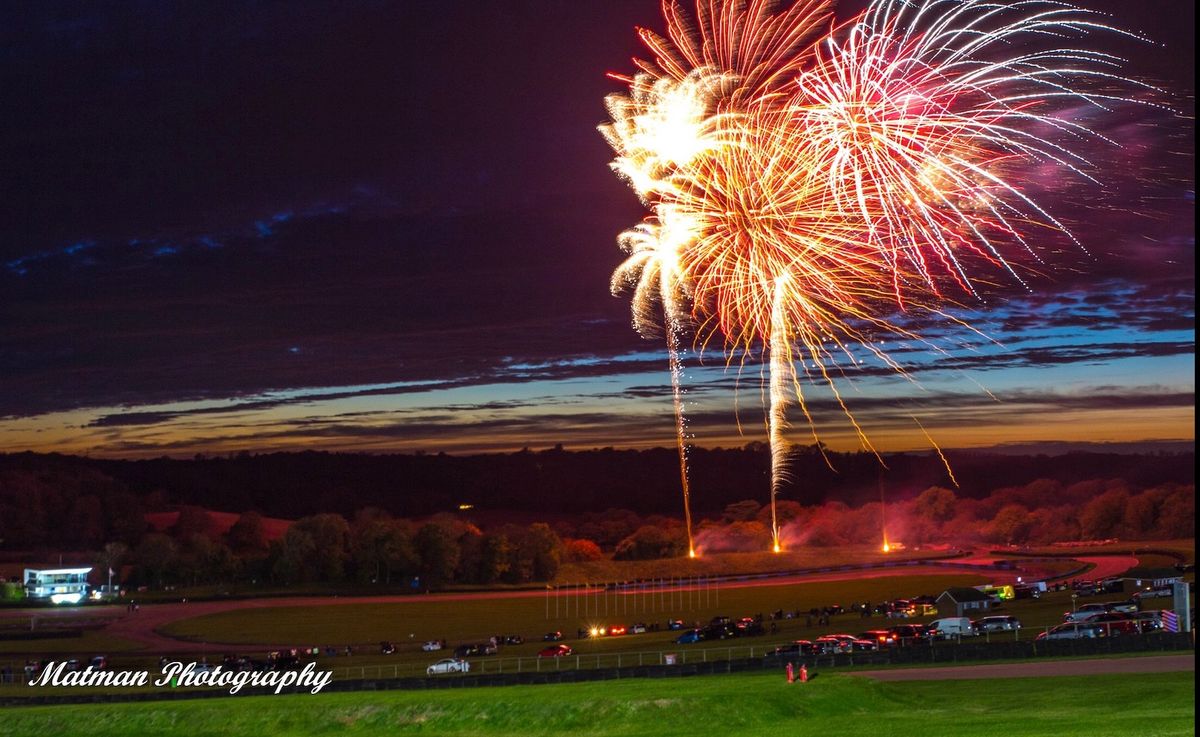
(432, 645)
(449, 665)
(637, 629)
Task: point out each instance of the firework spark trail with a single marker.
(674, 332)
(945, 461)
(653, 266)
(782, 374)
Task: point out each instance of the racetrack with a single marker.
(142, 627)
(1039, 668)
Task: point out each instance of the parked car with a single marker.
(1085, 612)
(513, 640)
(749, 627)
(900, 609)
(720, 632)
(799, 647)
(950, 627)
(997, 623)
(882, 638)
(637, 629)
(1115, 623)
(433, 645)
(467, 651)
(552, 636)
(1072, 631)
(829, 646)
(386, 648)
(719, 620)
(448, 665)
(1123, 607)
(617, 629)
(689, 638)
(1149, 621)
(908, 633)
(675, 624)
(556, 651)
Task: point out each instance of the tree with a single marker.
(155, 554)
(85, 524)
(742, 511)
(191, 521)
(936, 504)
(1177, 516)
(650, 543)
(382, 548)
(543, 548)
(1011, 525)
(580, 550)
(1104, 516)
(246, 537)
(125, 518)
(495, 558)
(438, 552)
(109, 558)
(330, 535)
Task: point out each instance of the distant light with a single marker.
(465, 507)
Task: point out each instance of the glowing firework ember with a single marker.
(805, 190)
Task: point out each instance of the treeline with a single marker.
(371, 548)
(570, 483)
(1041, 512)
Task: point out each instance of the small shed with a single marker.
(963, 601)
(1145, 579)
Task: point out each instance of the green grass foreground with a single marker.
(1152, 705)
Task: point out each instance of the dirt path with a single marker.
(1145, 664)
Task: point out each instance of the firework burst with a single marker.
(804, 191)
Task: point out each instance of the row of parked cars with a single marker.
(1107, 619)
(723, 628)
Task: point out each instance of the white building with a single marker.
(59, 585)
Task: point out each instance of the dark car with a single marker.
(719, 632)
(909, 633)
(513, 639)
(386, 648)
(799, 647)
(1149, 621)
(552, 636)
(468, 651)
(749, 628)
(675, 624)
(719, 620)
(881, 638)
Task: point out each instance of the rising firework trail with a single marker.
(653, 266)
(835, 191)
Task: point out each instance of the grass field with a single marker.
(531, 616)
(1155, 705)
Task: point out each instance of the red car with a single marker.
(617, 629)
(556, 651)
(1116, 624)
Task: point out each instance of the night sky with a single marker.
(389, 226)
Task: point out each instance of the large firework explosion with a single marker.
(807, 182)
